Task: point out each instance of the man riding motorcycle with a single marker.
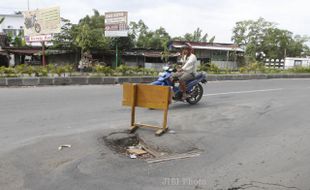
(188, 70)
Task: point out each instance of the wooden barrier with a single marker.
(147, 96)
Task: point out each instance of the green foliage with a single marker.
(107, 71)
(1, 19)
(253, 67)
(123, 69)
(51, 69)
(69, 69)
(258, 36)
(43, 71)
(9, 72)
(16, 41)
(86, 35)
(66, 38)
(145, 38)
(210, 68)
(2, 70)
(299, 70)
(60, 70)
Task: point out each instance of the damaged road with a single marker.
(249, 134)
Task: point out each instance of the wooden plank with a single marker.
(133, 100)
(127, 94)
(151, 96)
(136, 151)
(147, 126)
(147, 96)
(173, 157)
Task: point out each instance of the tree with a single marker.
(86, 35)
(1, 19)
(249, 34)
(263, 36)
(298, 47)
(275, 43)
(145, 38)
(66, 38)
(196, 36)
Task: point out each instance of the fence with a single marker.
(275, 63)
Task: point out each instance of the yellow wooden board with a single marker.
(151, 96)
(147, 96)
(127, 94)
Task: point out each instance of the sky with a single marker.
(215, 17)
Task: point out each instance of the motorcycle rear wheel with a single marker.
(196, 94)
(37, 28)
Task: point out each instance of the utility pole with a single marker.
(116, 56)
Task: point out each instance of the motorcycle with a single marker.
(193, 87)
(31, 22)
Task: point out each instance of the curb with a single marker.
(86, 80)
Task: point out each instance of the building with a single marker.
(224, 55)
(291, 62)
(150, 59)
(4, 56)
(287, 63)
(12, 24)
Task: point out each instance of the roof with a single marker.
(36, 51)
(209, 46)
(24, 51)
(11, 15)
(149, 53)
(4, 53)
(54, 52)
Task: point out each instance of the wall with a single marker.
(226, 64)
(156, 66)
(291, 62)
(62, 59)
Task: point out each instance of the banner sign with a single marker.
(40, 38)
(42, 21)
(116, 24)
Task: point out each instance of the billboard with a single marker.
(42, 21)
(116, 24)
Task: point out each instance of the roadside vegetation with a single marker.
(253, 68)
(100, 70)
(68, 70)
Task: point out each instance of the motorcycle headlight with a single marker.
(165, 68)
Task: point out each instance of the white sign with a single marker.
(42, 21)
(41, 38)
(116, 24)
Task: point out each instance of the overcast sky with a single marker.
(216, 17)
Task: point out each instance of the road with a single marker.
(254, 135)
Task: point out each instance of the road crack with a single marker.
(258, 184)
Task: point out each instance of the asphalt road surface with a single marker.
(253, 135)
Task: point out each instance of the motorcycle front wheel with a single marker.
(196, 94)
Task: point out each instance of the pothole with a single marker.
(128, 145)
(131, 146)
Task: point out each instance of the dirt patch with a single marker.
(131, 145)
